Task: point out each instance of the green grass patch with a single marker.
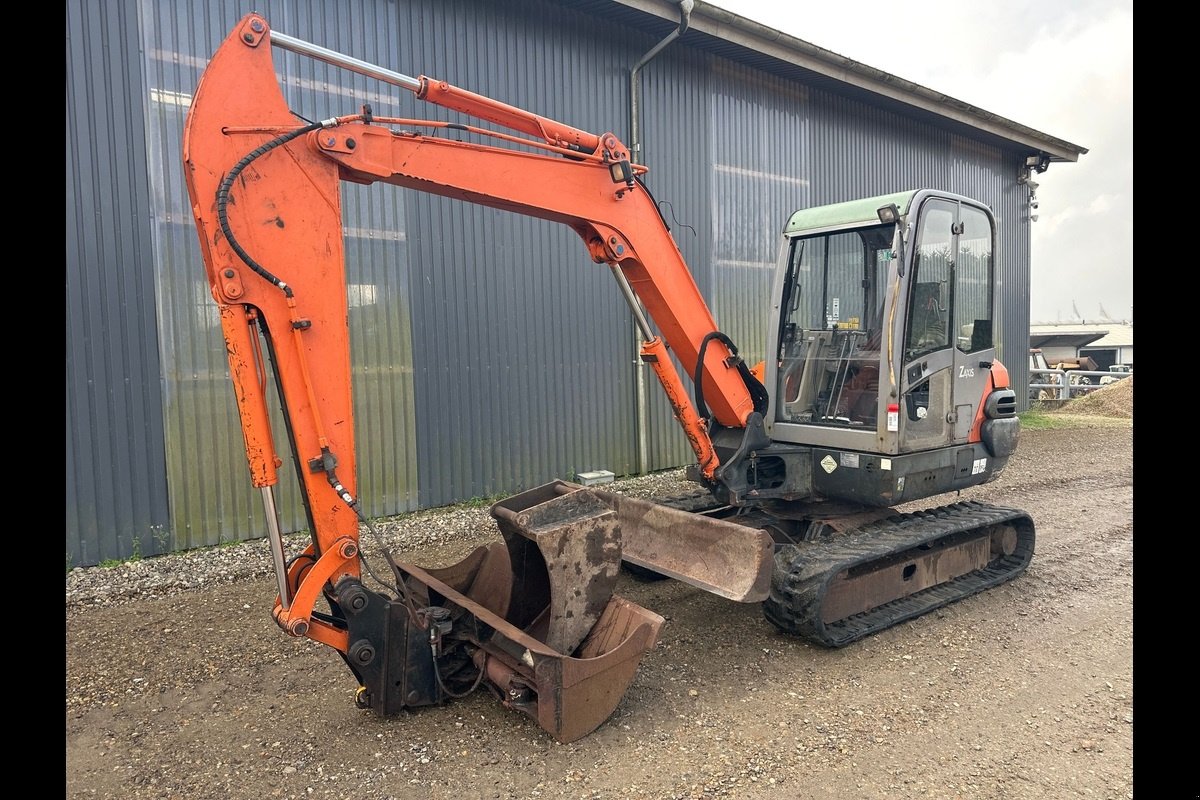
(481, 502)
(1036, 419)
(1040, 419)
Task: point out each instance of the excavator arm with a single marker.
(256, 256)
(265, 189)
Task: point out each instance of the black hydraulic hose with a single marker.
(401, 589)
(297, 557)
(336, 622)
(367, 566)
(356, 507)
(227, 184)
(437, 673)
(758, 392)
(697, 387)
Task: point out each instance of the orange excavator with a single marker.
(881, 386)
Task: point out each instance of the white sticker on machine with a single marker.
(978, 466)
(828, 464)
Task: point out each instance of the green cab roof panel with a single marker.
(840, 215)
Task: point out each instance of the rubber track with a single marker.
(803, 573)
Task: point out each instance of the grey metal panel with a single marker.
(731, 144)
(116, 484)
(523, 347)
(676, 141)
(376, 240)
(1014, 257)
(761, 149)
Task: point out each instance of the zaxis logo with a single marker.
(966, 372)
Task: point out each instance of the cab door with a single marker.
(974, 337)
(948, 336)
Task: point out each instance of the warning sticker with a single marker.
(850, 460)
(828, 464)
(978, 466)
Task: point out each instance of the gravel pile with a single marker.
(160, 576)
(1114, 400)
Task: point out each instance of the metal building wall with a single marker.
(524, 347)
(734, 151)
(490, 354)
(116, 482)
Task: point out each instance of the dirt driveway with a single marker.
(1022, 693)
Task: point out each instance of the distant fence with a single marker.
(1062, 384)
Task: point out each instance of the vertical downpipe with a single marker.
(635, 149)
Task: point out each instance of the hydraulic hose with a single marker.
(227, 184)
(758, 392)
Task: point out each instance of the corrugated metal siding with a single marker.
(524, 348)
(674, 87)
(116, 483)
(759, 158)
(1014, 287)
(490, 354)
(508, 326)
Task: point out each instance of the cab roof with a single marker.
(848, 214)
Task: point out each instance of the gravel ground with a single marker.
(179, 685)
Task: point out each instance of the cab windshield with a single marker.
(832, 325)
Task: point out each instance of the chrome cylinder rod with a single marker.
(643, 327)
(275, 535)
(301, 47)
(634, 305)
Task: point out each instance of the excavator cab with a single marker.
(884, 330)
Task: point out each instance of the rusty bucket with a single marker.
(534, 617)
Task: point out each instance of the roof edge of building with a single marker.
(728, 26)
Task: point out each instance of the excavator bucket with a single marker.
(566, 545)
(534, 619)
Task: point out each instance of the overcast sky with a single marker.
(1062, 68)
